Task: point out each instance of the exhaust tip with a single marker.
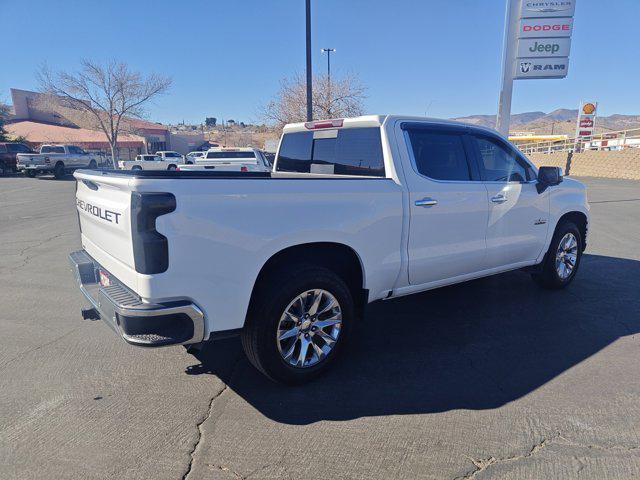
(90, 314)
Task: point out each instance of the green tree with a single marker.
(4, 113)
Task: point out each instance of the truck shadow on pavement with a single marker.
(474, 346)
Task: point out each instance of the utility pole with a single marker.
(508, 65)
(328, 52)
(309, 75)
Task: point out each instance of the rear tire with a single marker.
(562, 260)
(172, 167)
(30, 173)
(93, 165)
(59, 171)
(279, 306)
(136, 167)
(3, 169)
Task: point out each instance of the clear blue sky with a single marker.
(227, 57)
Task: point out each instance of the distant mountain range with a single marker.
(561, 121)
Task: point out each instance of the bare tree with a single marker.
(101, 96)
(344, 97)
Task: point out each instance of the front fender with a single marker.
(570, 196)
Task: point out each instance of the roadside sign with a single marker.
(541, 68)
(586, 123)
(547, 8)
(545, 27)
(544, 47)
(537, 43)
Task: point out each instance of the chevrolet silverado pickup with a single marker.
(355, 210)
(56, 159)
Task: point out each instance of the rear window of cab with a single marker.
(346, 151)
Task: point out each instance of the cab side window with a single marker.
(499, 163)
(440, 155)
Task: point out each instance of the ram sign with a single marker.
(541, 67)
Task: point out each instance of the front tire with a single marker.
(3, 169)
(93, 165)
(562, 260)
(298, 322)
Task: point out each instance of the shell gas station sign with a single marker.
(586, 119)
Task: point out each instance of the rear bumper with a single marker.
(38, 168)
(138, 323)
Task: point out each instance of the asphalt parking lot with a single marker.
(490, 379)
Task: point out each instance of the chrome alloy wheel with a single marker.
(566, 256)
(309, 328)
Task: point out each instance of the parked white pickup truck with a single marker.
(56, 159)
(356, 210)
(149, 162)
(230, 160)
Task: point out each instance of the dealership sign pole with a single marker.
(537, 42)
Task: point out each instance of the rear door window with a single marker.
(440, 155)
(347, 151)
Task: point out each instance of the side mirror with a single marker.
(548, 177)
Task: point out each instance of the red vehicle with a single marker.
(8, 153)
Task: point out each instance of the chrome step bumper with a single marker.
(138, 323)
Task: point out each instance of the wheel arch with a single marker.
(338, 257)
(580, 219)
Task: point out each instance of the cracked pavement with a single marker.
(490, 379)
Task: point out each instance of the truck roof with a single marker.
(374, 121)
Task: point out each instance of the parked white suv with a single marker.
(170, 156)
(56, 159)
(356, 210)
(148, 162)
(228, 159)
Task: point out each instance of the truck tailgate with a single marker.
(104, 211)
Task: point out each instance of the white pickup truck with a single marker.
(356, 210)
(56, 159)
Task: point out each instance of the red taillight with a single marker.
(177, 169)
(244, 169)
(324, 124)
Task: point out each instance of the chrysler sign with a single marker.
(548, 8)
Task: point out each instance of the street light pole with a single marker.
(309, 76)
(328, 52)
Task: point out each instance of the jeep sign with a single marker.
(544, 47)
(545, 27)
